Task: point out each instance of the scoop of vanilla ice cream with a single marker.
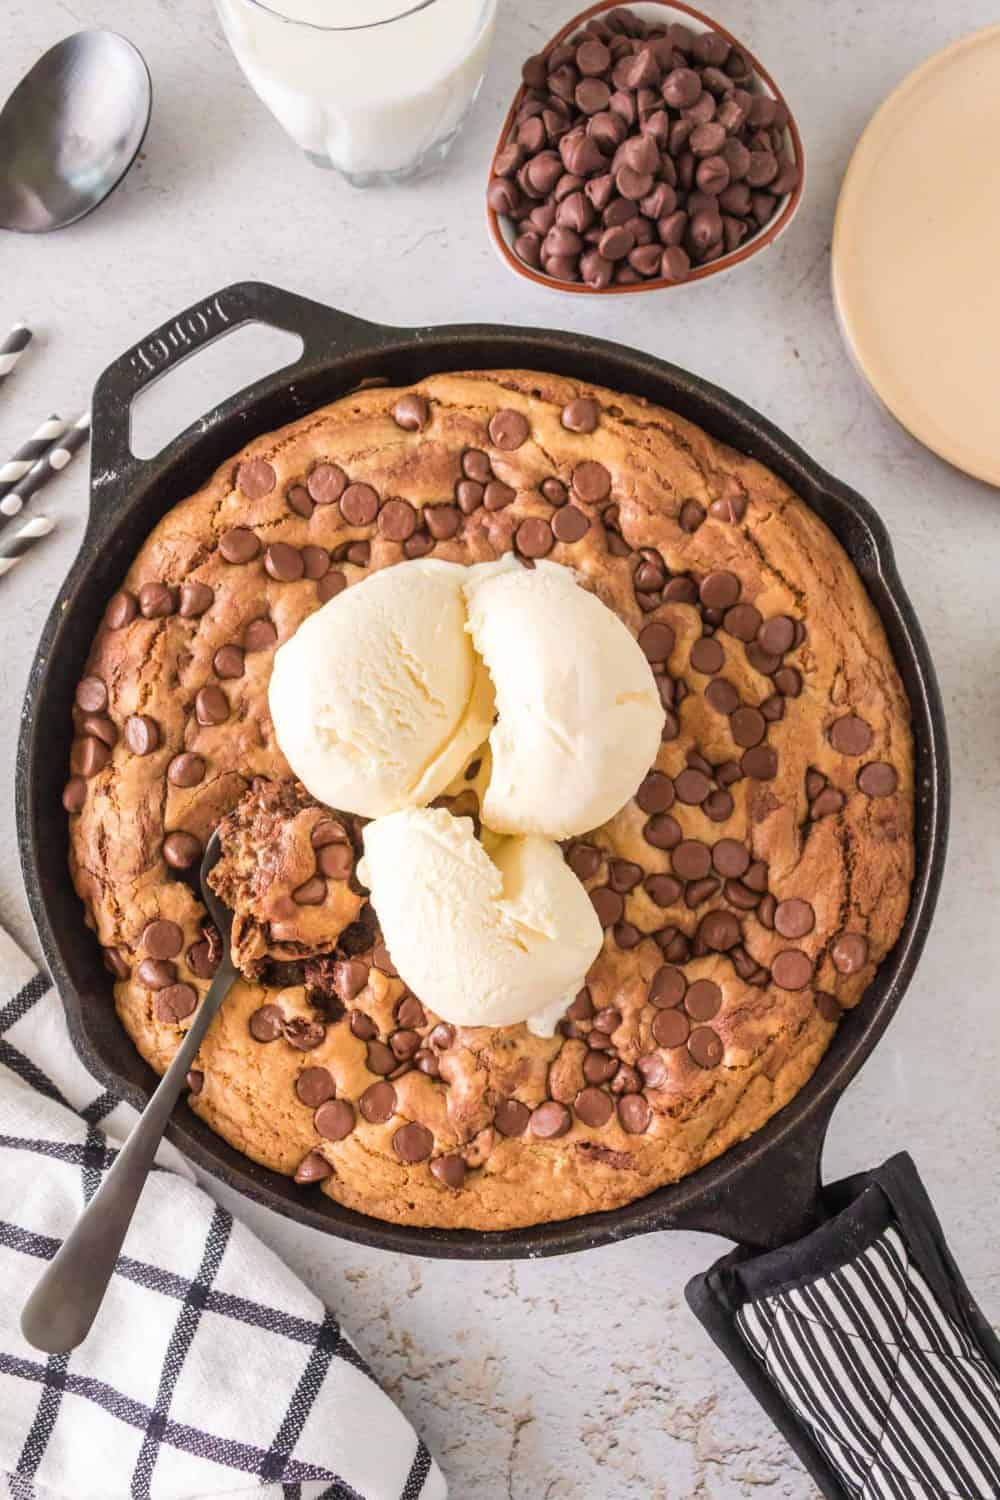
(378, 699)
(579, 715)
(482, 941)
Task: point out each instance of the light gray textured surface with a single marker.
(581, 1379)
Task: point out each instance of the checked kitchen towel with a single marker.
(211, 1369)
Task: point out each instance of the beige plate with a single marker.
(916, 254)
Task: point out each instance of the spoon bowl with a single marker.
(70, 131)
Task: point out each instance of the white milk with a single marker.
(371, 99)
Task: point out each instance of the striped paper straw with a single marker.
(13, 347)
(53, 459)
(16, 468)
(16, 546)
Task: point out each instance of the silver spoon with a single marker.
(70, 131)
(59, 1313)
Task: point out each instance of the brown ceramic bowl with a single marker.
(660, 11)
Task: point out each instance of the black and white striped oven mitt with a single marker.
(211, 1370)
(865, 1346)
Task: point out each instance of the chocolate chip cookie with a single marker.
(748, 891)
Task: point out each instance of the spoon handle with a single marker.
(59, 1313)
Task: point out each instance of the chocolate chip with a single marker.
(162, 938)
(330, 586)
(314, 1086)
(239, 545)
(362, 1026)
(497, 496)
(102, 728)
(592, 1106)
(359, 553)
(662, 831)
(313, 1167)
(511, 1117)
(878, 779)
(157, 600)
(828, 1006)
(142, 734)
(284, 563)
(705, 1047)
(121, 611)
(691, 860)
(788, 681)
(195, 599)
(315, 562)
(397, 520)
(256, 478)
(720, 931)
(591, 482)
(761, 763)
(731, 858)
(828, 803)
(334, 1120)
(598, 1067)
(228, 662)
(761, 660)
(703, 1000)
(404, 1044)
(792, 969)
(570, 524)
(584, 860)
(335, 861)
(534, 538)
(608, 905)
(509, 429)
(202, 959)
(380, 1058)
(175, 1003)
(90, 756)
(653, 1070)
(91, 695)
(777, 635)
(359, 505)
(719, 590)
(450, 1170)
(442, 521)
(667, 987)
(303, 1034)
(851, 735)
(656, 641)
(74, 794)
(663, 890)
(300, 501)
(748, 726)
(115, 964)
(411, 412)
(656, 793)
(707, 655)
(550, 1120)
(267, 1023)
(326, 484)
(581, 415)
(259, 635)
(794, 918)
(849, 952)
(382, 960)
(186, 769)
(413, 1142)
(156, 973)
(692, 786)
(211, 706)
(195, 1080)
(670, 1028)
(181, 850)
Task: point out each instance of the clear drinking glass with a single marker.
(377, 89)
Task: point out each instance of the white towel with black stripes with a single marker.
(211, 1369)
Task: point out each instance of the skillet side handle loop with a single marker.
(114, 467)
(865, 1346)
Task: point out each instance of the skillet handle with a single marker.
(865, 1346)
(114, 467)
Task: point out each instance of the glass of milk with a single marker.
(377, 89)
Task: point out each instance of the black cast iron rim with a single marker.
(763, 1191)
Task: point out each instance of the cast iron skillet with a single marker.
(763, 1192)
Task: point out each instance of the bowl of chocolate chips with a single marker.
(645, 148)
